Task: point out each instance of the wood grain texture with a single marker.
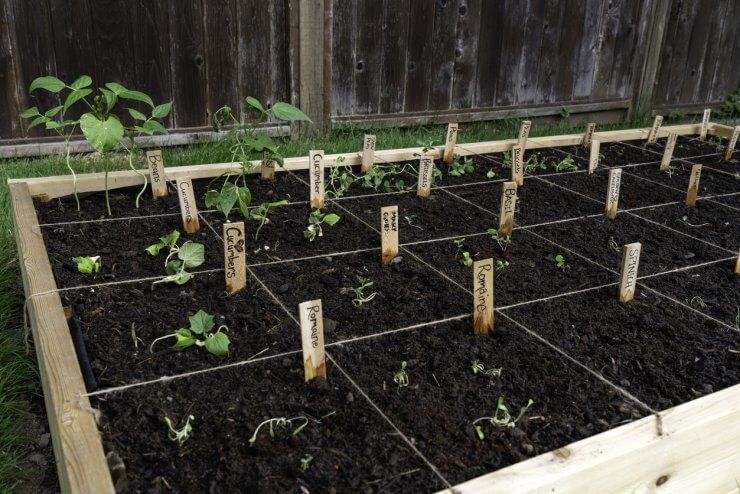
(394, 52)
(78, 450)
(222, 70)
(446, 13)
(466, 53)
(10, 92)
(420, 51)
(342, 58)
(490, 44)
(368, 56)
(187, 64)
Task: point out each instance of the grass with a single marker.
(18, 376)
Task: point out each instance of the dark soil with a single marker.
(710, 182)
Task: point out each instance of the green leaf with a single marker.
(137, 96)
(182, 278)
(184, 338)
(82, 81)
(286, 111)
(228, 198)
(115, 88)
(173, 267)
(141, 129)
(331, 219)
(103, 135)
(155, 248)
(254, 103)
(51, 125)
(38, 121)
(52, 111)
(155, 126)
(31, 112)
(161, 111)
(191, 254)
(244, 197)
(171, 238)
(74, 97)
(201, 322)
(212, 198)
(50, 83)
(261, 142)
(110, 98)
(137, 115)
(217, 343)
(87, 265)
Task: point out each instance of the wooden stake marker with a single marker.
(612, 192)
(705, 124)
(523, 133)
(593, 158)
(653, 134)
(737, 263)
(368, 152)
(693, 191)
(733, 141)
(235, 257)
(389, 233)
(450, 142)
(426, 168)
(316, 171)
(188, 207)
(156, 173)
(628, 276)
(312, 339)
(670, 143)
(508, 205)
(483, 296)
(589, 135)
(267, 170)
(517, 164)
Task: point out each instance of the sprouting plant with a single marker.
(339, 180)
(200, 333)
(179, 435)
(503, 242)
(426, 146)
(479, 368)
(410, 220)
(490, 173)
(507, 159)
(500, 265)
(566, 164)
(534, 163)
(401, 378)
(467, 260)
(698, 301)
(189, 255)
(501, 417)
(283, 423)
(315, 219)
(670, 171)
(457, 168)
(87, 265)
(385, 176)
(306, 462)
(561, 263)
(260, 213)
(360, 297)
(459, 242)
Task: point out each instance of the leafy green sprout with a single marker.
(360, 297)
(315, 219)
(401, 378)
(698, 301)
(87, 265)
(260, 213)
(179, 435)
(306, 462)
(561, 263)
(501, 417)
(479, 368)
(670, 170)
(283, 423)
(566, 164)
(458, 168)
(501, 265)
(503, 242)
(200, 333)
(189, 255)
(467, 260)
(491, 173)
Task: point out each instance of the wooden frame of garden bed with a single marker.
(695, 452)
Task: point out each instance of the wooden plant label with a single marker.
(316, 170)
(593, 158)
(508, 205)
(589, 135)
(705, 124)
(156, 173)
(517, 165)
(368, 153)
(235, 257)
(670, 143)
(653, 134)
(733, 141)
(188, 207)
(312, 339)
(483, 296)
(737, 263)
(628, 277)
(523, 134)
(450, 142)
(268, 167)
(389, 233)
(426, 168)
(612, 192)
(693, 186)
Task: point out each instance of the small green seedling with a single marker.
(670, 171)
(501, 418)
(179, 435)
(503, 242)
(260, 213)
(566, 165)
(87, 265)
(467, 260)
(340, 179)
(501, 265)
(491, 173)
(534, 163)
(458, 168)
(189, 255)
(478, 368)
(306, 462)
(401, 378)
(698, 301)
(560, 262)
(283, 423)
(459, 242)
(507, 159)
(200, 334)
(315, 219)
(360, 297)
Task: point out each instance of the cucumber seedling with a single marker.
(283, 423)
(189, 255)
(315, 219)
(501, 417)
(179, 435)
(88, 265)
(360, 297)
(200, 333)
(561, 263)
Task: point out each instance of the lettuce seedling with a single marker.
(501, 418)
(179, 435)
(503, 242)
(360, 297)
(467, 260)
(281, 422)
(501, 265)
(305, 462)
(315, 219)
(87, 265)
(200, 333)
(189, 255)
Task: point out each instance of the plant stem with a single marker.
(141, 174)
(74, 176)
(107, 200)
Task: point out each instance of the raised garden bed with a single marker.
(626, 396)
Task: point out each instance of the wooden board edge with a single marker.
(51, 187)
(720, 130)
(78, 449)
(697, 452)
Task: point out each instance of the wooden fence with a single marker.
(377, 62)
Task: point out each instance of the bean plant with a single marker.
(458, 168)
(189, 255)
(315, 219)
(359, 292)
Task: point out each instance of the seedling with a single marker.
(467, 260)
(360, 297)
(459, 242)
(315, 219)
(283, 423)
(189, 255)
(567, 164)
(458, 168)
(200, 333)
(501, 417)
(698, 302)
(384, 176)
(560, 262)
(503, 242)
(87, 265)
(501, 265)
(427, 146)
(534, 163)
(491, 173)
(479, 368)
(179, 435)
(305, 462)
(410, 221)
(401, 378)
(670, 171)
(340, 179)
(260, 213)
(507, 159)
